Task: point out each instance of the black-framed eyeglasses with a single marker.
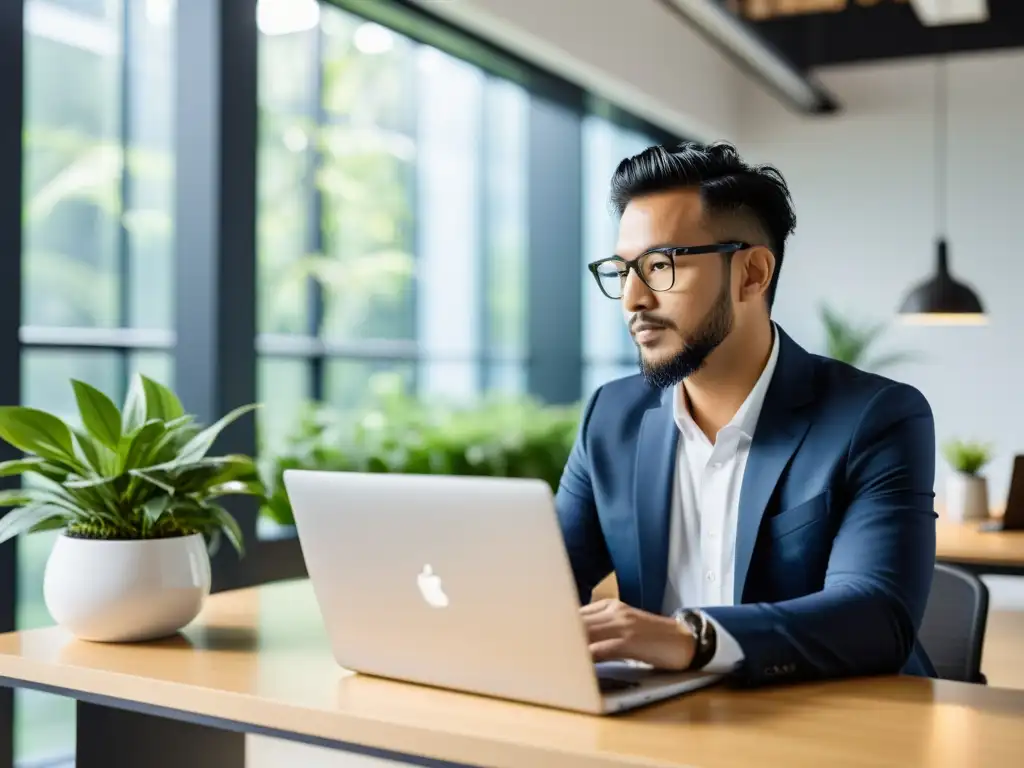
(656, 267)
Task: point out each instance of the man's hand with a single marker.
(617, 631)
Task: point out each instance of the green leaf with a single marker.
(24, 519)
(167, 447)
(99, 414)
(228, 525)
(18, 466)
(135, 446)
(161, 403)
(54, 523)
(34, 431)
(88, 482)
(15, 497)
(55, 496)
(967, 456)
(197, 447)
(52, 472)
(154, 509)
(149, 478)
(133, 415)
(94, 455)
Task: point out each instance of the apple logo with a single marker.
(431, 588)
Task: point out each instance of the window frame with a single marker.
(214, 339)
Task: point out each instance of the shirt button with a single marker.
(711, 576)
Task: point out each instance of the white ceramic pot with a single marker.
(126, 591)
(966, 497)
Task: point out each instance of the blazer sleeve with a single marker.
(865, 619)
(577, 513)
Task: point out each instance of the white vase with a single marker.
(126, 591)
(966, 497)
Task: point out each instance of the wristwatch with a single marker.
(704, 636)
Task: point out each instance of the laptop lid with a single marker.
(1013, 516)
(458, 582)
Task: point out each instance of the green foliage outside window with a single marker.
(397, 433)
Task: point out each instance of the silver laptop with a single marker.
(461, 583)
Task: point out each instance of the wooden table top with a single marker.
(966, 544)
(260, 657)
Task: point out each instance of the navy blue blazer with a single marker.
(835, 540)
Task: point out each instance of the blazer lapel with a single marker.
(780, 430)
(655, 464)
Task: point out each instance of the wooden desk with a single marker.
(981, 551)
(257, 661)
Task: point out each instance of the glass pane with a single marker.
(46, 378)
(366, 179)
(506, 378)
(149, 183)
(285, 186)
(606, 338)
(449, 235)
(453, 382)
(45, 724)
(349, 384)
(506, 216)
(98, 180)
(158, 366)
(73, 164)
(283, 387)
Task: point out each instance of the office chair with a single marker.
(953, 630)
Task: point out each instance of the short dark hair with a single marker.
(751, 197)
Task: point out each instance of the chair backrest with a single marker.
(953, 630)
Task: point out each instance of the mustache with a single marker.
(644, 322)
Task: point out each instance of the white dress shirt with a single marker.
(705, 510)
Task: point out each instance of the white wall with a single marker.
(864, 195)
(636, 53)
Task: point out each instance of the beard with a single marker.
(712, 331)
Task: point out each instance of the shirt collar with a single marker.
(745, 419)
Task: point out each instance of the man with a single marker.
(768, 513)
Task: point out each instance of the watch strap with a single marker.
(704, 635)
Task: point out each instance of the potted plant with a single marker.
(966, 488)
(851, 343)
(137, 501)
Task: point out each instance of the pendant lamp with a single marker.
(942, 300)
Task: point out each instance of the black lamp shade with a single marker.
(942, 297)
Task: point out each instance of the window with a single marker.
(392, 216)
(608, 349)
(97, 259)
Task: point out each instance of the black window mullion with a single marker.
(485, 243)
(12, 115)
(315, 224)
(555, 241)
(215, 230)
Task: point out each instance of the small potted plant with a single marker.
(137, 501)
(966, 488)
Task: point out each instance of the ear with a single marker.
(757, 268)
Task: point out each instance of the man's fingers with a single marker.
(607, 650)
(603, 631)
(596, 607)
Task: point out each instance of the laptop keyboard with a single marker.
(609, 684)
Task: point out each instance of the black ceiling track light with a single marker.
(744, 44)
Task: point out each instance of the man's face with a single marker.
(674, 330)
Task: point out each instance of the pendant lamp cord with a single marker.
(941, 141)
